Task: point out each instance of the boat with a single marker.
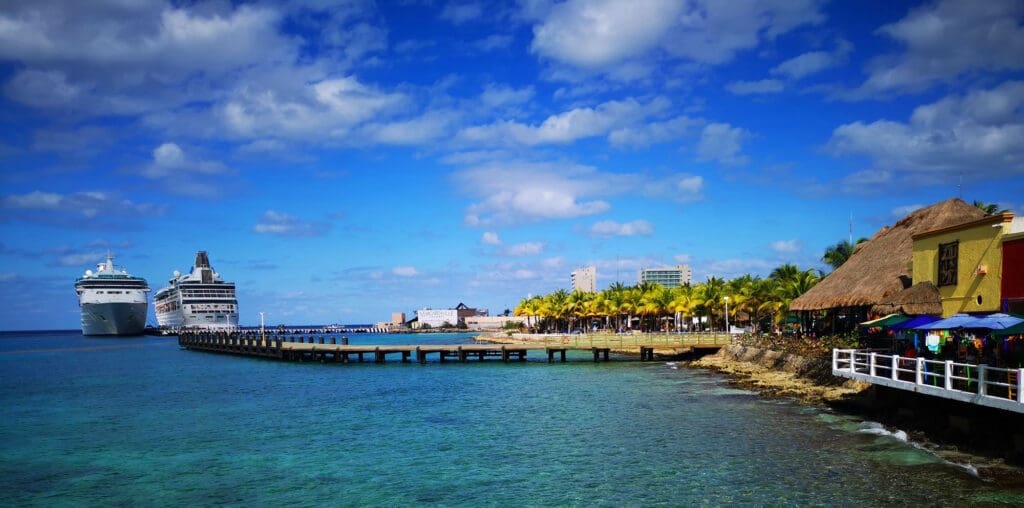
(200, 299)
(113, 302)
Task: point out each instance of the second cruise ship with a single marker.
(199, 299)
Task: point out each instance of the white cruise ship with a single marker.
(199, 299)
(113, 302)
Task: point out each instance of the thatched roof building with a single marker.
(882, 266)
(921, 298)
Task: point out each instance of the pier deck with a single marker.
(328, 350)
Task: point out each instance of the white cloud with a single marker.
(490, 238)
(756, 87)
(405, 271)
(732, 268)
(565, 127)
(721, 142)
(610, 228)
(86, 204)
(976, 133)
(804, 65)
(522, 192)
(497, 95)
(650, 133)
(459, 13)
(690, 188)
(785, 246)
(903, 211)
(683, 259)
(605, 36)
(170, 160)
(527, 192)
(81, 259)
(135, 56)
(493, 42)
(948, 39)
(325, 109)
(599, 34)
(525, 249)
(282, 224)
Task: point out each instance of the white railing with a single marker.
(977, 384)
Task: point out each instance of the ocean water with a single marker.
(139, 421)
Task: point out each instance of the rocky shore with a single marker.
(771, 373)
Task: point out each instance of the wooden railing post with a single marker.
(872, 360)
(918, 374)
(895, 363)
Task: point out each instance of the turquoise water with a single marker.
(141, 422)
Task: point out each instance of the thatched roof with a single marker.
(921, 298)
(878, 267)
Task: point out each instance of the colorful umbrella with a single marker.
(954, 321)
(997, 321)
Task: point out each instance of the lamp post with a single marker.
(727, 330)
(263, 331)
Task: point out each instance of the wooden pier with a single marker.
(330, 350)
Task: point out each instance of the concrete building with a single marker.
(491, 322)
(585, 279)
(398, 318)
(965, 263)
(670, 277)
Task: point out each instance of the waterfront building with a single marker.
(965, 263)
(1012, 290)
(398, 318)
(670, 277)
(880, 269)
(585, 279)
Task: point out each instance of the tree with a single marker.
(988, 208)
(837, 254)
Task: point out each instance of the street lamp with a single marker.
(727, 330)
(263, 330)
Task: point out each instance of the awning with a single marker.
(954, 321)
(890, 320)
(1013, 330)
(916, 322)
(996, 321)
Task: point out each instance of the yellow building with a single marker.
(965, 262)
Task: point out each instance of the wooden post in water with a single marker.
(421, 356)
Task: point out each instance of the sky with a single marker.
(343, 160)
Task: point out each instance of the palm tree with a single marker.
(784, 272)
(576, 305)
(837, 254)
(556, 306)
(683, 303)
(988, 208)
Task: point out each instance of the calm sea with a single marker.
(138, 421)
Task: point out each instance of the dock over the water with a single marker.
(324, 349)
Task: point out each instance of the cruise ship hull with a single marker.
(113, 318)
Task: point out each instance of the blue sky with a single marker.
(343, 160)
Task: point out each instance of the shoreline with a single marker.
(810, 382)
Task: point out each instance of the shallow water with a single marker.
(139, 421)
